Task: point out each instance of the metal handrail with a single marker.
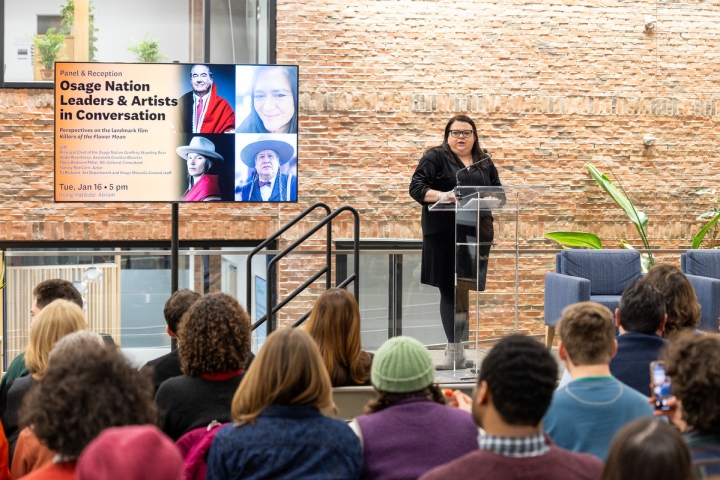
(273, 237)
(327, 269)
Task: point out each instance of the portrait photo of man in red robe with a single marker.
(202, 110)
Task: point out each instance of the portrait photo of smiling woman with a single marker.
(270, 99)
(266, 170)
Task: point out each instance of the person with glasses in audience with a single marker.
(459, 160)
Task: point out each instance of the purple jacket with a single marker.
(413, 436)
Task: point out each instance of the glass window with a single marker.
(39, 32)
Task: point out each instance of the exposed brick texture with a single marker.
(552, 84)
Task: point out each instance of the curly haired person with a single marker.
(213, 344)
(692, 362)
(83, 392)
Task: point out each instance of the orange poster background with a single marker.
(95, 161)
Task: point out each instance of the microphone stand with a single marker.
(483, 163)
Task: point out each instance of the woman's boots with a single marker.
(454, 358)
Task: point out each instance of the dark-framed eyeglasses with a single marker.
(461, 133)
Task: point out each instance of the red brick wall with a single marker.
(552, 86)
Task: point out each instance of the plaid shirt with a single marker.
(517, 447)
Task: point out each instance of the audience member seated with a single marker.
(515, 387)
(56, 320)
(130, 453)
(641, 320)
(280, 430)
(168, 366)
(692, 362)
(44, 293)
(30, 454)
(648, 449)
(681, 305)
(213, 343)
(585, 414)
(83, 392)
(408, 429)
(334, 324)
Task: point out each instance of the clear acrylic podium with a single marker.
(477, 211)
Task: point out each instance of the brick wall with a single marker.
(553, 85)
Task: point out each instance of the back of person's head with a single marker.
(681, 305)
(521, 375)
(642, 308)
(648, 449)
(83, 392)
(402, 368)
(55, 321)
(131, 453)
(214, 336)
(334, 324)
(50, 290)
(587, 331)
(288, 370)
(176, 306)
(692, 361)
(76, 341)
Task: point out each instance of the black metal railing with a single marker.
(272, 238)
(326, 270)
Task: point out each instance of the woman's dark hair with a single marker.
(83, 392)
(648, 449)
(478, 154)
(692, 361)
(214, 336)
(387, 399)
(253, 123)
(681, 305)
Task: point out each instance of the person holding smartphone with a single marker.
(692, 363)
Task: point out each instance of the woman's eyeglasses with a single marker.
(461, 133)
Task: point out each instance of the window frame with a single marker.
(272, 42)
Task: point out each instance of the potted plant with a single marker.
(48, 51)
(67, 17)
(147, 50)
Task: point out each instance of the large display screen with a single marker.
(175, 132)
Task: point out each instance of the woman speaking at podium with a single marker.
(458, 161)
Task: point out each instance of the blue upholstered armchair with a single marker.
(702, 268)
(587, 275)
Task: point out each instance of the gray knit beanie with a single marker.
(402, 365)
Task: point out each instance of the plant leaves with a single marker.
(701, 234)
(576, 239)
(637, 217)
(646, 260)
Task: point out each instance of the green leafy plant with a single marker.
(147, 50)
(621, 198)
(712, 226)
(67, 17)
(48, 47)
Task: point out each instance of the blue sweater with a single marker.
(631, 364)
(286, 442)
(585, 415)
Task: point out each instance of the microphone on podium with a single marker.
(483, 163)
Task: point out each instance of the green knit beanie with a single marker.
(402, 365)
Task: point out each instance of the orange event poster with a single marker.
(116, 132)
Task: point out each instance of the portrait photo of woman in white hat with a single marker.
(199, 156)
(270, 165)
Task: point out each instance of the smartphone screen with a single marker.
(661, 386)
